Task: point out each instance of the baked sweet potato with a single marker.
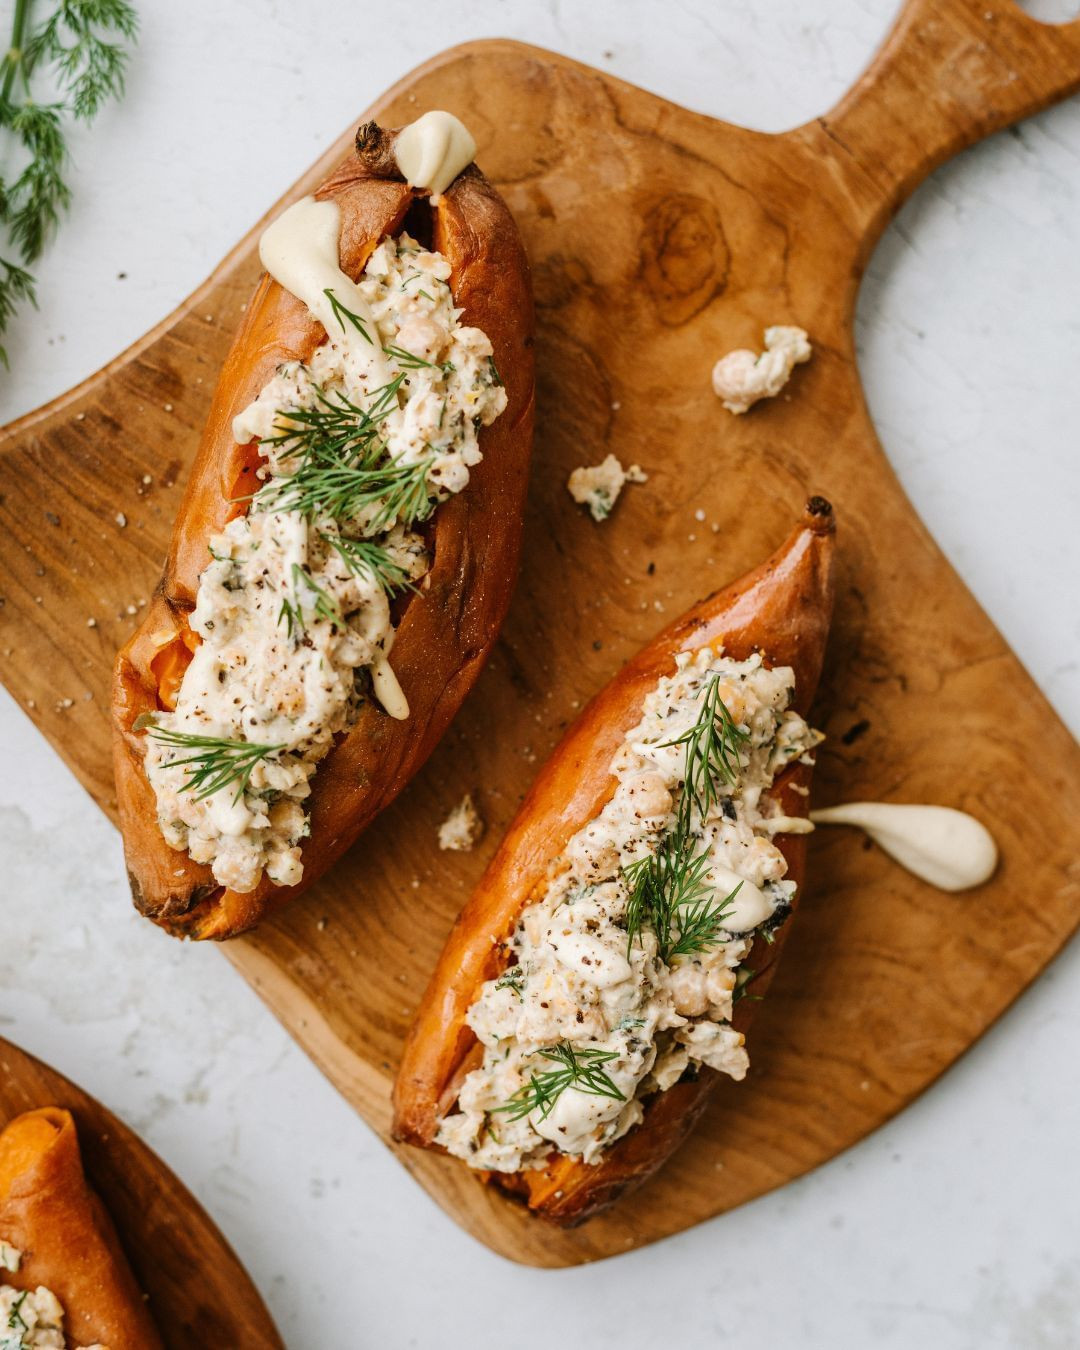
(781, 610)
(445, 629)
(65, 1239)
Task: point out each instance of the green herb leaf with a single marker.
(216, 763)
(89, 70)
(345, 315)
(577, 1068)
(712, 753)
(363, 557)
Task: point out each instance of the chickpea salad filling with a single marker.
(624, 974)
(293, 613)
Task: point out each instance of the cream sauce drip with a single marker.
(947, 848)
(300, 251)
(433, 150)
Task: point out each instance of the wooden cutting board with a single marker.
(199, 1293)
(659, 239)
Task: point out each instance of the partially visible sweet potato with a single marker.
(67, 1241)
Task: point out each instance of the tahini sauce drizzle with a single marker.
(433, 150)
(300, 251)
(947, 848)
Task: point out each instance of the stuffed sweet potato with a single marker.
(591, 991)
(346, 548)
(63, 1269)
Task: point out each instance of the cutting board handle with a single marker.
(950, 73)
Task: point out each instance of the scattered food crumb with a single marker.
(121, 519)
(743, 377)
(598, 486)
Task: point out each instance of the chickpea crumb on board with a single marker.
(742, 378)
(463, 828)
(598, 486)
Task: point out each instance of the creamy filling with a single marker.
(743, 378)
(599, 1007)
(293, 610)
(30, 1319)
(598, 486)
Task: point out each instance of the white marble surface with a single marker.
(955, 1226)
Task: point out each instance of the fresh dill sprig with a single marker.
(712, 753)
(336, 430)
(216, 763)
(514, 979)
(668, 890)
(323, 604)
(669, 893)
(343, 314)
(577, 1068)
(743, 979)
(88, 70)
(398, 491)
(363, 557)
(410, 361)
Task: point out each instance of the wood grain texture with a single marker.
(198, 1292)
(659, 238)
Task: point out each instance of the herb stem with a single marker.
(14, 59)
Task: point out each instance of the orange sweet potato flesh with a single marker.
(445, 632)
(68, 1243)
(783, 610)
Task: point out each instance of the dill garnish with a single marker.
(343, 314)
(410, 361)
(397, 491)
(323, 605)
(668, 890)
(216, 763)
(88, 70)
(363, 557)
(577, 1068)
(514, 979)
(669, 894)
(712, 752)
(336, 429)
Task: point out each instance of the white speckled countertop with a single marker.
(950, 1228)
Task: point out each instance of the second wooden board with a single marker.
(659, 238)
(198, 1292)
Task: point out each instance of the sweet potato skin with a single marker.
(782, 609)
(68, 1242)
(444, 633)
